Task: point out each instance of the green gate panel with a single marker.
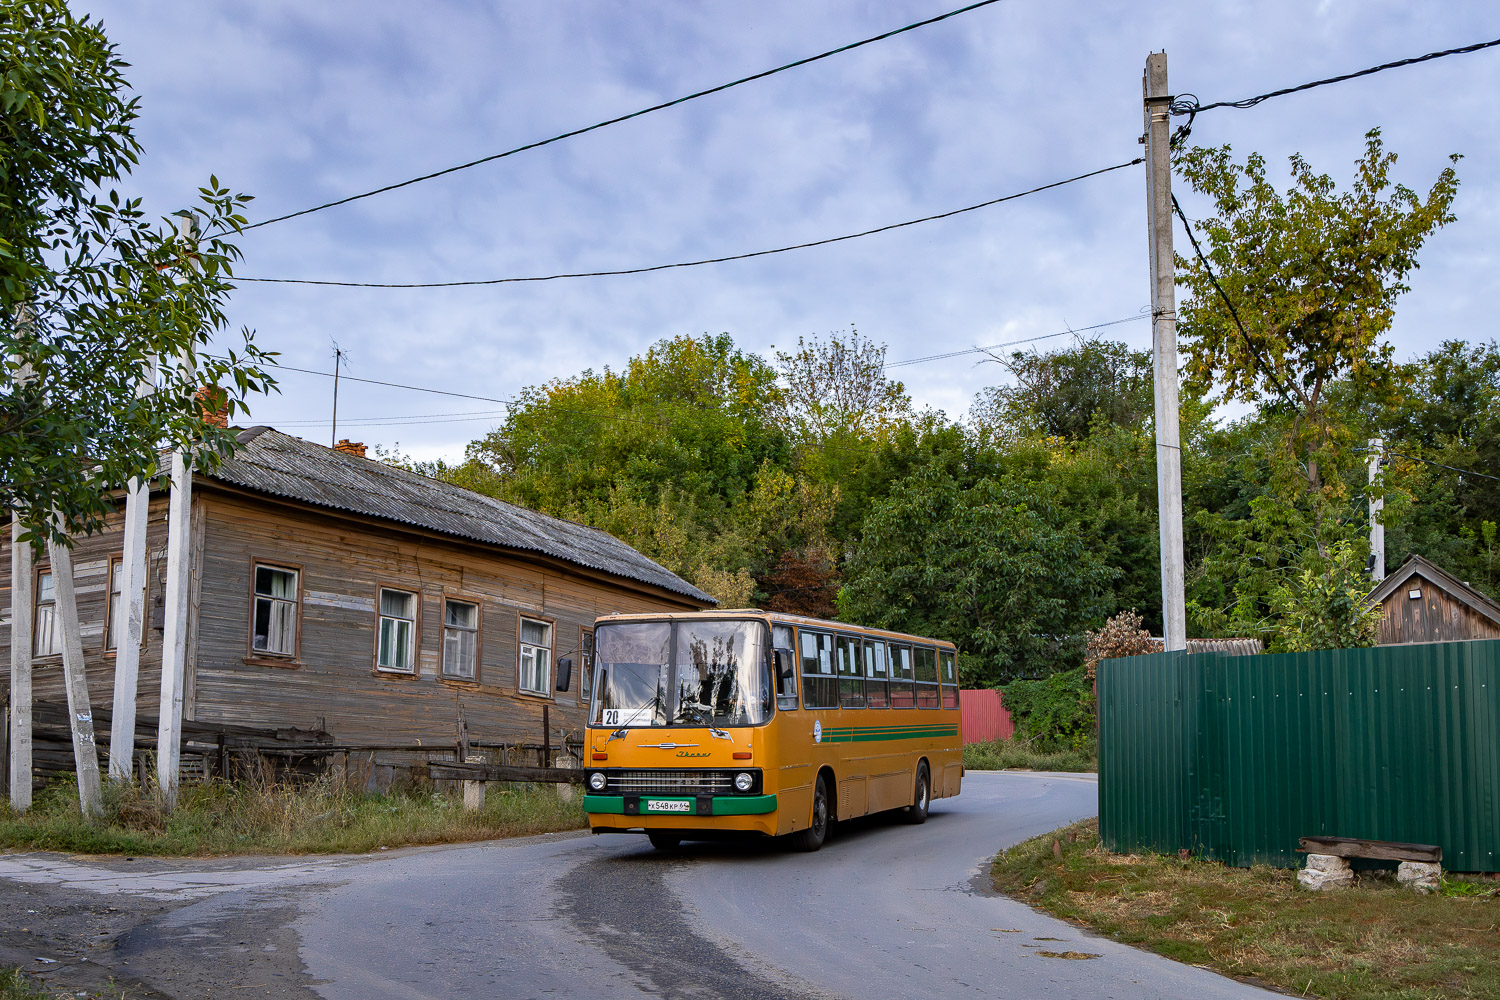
(1236, 757)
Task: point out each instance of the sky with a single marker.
(302, 103)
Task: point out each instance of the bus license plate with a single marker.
(668, 806)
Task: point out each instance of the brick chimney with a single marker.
(213, 401)
(355, 448)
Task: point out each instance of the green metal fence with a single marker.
(1236, 757)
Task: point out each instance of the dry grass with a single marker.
(1375, 940)
(262, 816)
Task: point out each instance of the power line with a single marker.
(1012, 343)
(699, 263)
(1440, 465)
(510, 403)
(634, 114)
(1187, 104)
(1271, 375)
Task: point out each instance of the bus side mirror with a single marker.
(564, 673)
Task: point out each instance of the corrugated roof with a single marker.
(276, 463)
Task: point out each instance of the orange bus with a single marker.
(765, 723)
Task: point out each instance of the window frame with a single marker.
(265, 656)
(38, 571)
(477, 603)
(111, 608)
(935, 685)
(900, 685)
(882, 683)
(551, 648)
(851, 684)
(416, 638)
(585, 663)
(818, 678)
(944, 686)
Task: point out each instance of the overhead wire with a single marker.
(1187, 104)
(707, 260)
(634, 114)
(1440, 465)
(1013, 343)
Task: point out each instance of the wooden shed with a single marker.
(1421, 602)
(331, 592)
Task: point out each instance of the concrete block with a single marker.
(1327, 863)
(1325, 872)
(1419, 876)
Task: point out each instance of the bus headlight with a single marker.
(744, 781)
(596, 781)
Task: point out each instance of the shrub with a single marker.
(1054, 713)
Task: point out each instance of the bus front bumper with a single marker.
(668, 806)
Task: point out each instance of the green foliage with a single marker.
(92, 294)
(1018, 752)
(995, 566)
(1054, 713)
(1068, 393)
(1324, 607)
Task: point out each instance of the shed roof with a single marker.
(269, 461)
(1434, 574)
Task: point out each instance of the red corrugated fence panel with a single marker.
(984, 716)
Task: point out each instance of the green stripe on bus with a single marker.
(881, 735)
(723, 805)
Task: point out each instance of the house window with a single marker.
(112, 614)
(536, 656)
(398, 627)
(460, 638)
(586, 663)
(274, 628)
(48, 630)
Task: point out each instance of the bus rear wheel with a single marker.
(664, 841)
(817, 831)
(921, 797)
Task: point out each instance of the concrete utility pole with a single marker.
(75, 676)
(131, 617)
(1164, 344)
(174, 632)
(1377, 506)
(22, 612)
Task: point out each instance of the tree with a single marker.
(839, 386)
(92, 293)
(1313, 277)
(994, 566)
(1064, 393)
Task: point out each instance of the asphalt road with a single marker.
(884, 910)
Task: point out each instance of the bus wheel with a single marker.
(664, 841)
(921, 798)
(812, 838)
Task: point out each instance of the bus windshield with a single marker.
(698, 673)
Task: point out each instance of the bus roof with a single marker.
(776, 617)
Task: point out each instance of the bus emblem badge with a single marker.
(817, 730)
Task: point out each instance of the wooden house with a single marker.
(1421, 602)
(332, 592)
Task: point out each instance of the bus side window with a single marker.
(877, 693)
(903, 694)
(949, 666)
(786, 679)
(820, 686)
(926, 677)
(851, 672)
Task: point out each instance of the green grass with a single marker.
(262, 817)
(997, 755)
(1376, 941)
(15, 986)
